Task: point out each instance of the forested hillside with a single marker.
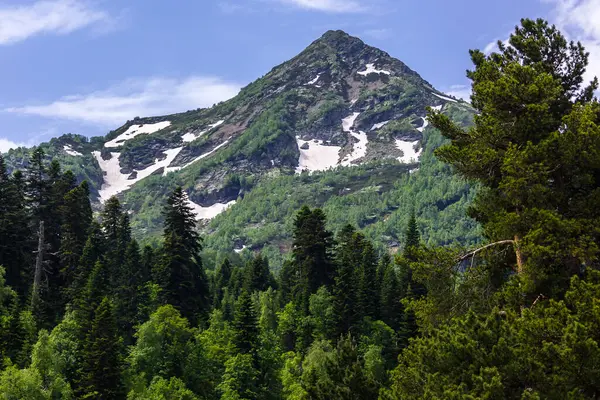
(86, 312)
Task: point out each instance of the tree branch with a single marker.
(472, 253)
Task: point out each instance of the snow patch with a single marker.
(173, 169)
(359, 150)
(353, 101)
(410, 155)
(135, 130)
(116, 182)
(190, 137)
(445, 98)
(240, 250)
(318, 156)
(209, 212)
(372, 70)
(425, 124)
(70, 151)
(314, 80)
(380, 125)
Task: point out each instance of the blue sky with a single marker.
(86, 66)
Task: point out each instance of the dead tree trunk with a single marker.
(39, 265)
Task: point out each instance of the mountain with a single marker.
(341, 126)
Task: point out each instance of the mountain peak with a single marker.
(339, 39)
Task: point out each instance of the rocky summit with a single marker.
(342, 125)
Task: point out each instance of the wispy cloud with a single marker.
(58, 17)
(330, 6)
(579, 20)
(156, 96)
(460, 92)
(7, 144)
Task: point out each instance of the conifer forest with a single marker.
(89, 310)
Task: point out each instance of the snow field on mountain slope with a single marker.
(359, 150)
(116, 182)
(173, 169)
(372, 70)
(190, 137)
(211, 211)
(410, 155)
(318, 156)
(70, 151)
(135, 130)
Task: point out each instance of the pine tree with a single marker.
(312, 254)
(391, 308)
(368, 296)
(258, 275)
(129, 294)
(413, 237)
(180, 273)
(349, 258)
(102, 365)
(221, 281)
(529, 149)
(76, 214)
(15, 242)
(245, 324)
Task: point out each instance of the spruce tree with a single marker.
(412, 235)
(129, 294)
(102, 366)
(312, 254)
(391, 307)
(245, 324)
(15, 241)
(180, 273)
(529, 150)
(221, 281)
(368, 295)
(258, 275)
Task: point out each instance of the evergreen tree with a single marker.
(391, 308)
(368, 295)
(15, 241)
(180, 273)
(312, 254)
(529, 149)
(101, 357)
(76, 214)
(221, 281)
(245, 324)
(129, 294)
(258, 275)
(413, 237)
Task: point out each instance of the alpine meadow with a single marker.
(340, 229)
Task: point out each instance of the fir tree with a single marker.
(312, 254)
(391, 308)
(15, 241)
(368, 295)
(245, 324)
(221, 281)
(258, 275)
(180, 273)
(102, 366)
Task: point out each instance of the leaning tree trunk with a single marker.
(39, 264)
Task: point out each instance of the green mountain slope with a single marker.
(342, 126)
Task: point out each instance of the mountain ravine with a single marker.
(341, 126)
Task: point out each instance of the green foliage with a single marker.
(550, 351)
(162, 389)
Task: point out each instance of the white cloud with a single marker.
(59, 17)
(136, 98)
(579, 20)
(332, 6)
(460, 92)
(7, 144)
